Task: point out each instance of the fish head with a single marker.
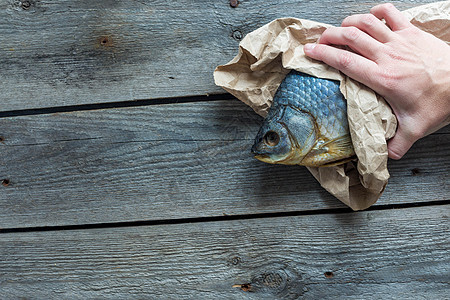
(285, 137)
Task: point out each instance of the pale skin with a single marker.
(407, 66)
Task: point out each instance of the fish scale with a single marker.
(321, 97)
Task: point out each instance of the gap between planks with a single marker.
(223, 218)
(112, 105)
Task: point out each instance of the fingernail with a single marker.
(309, 47)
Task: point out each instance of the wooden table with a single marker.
(126, 173)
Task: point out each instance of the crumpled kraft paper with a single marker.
(267, 54)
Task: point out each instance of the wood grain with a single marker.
(390, 254)
(172, 162)
(61, 52)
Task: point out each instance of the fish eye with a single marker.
(271, 138)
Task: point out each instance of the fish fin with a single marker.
(338, 146)
(330, 153)
(339, 162)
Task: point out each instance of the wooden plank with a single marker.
(391, 254)
(168, 162)
(61, 52)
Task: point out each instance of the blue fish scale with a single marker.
(321, 97)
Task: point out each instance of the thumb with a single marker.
(399, 144)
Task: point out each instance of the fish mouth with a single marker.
(254, 150)
(264, 158)
(260, 156)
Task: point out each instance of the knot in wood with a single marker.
(234, 3)
(275, 280)
(105, 41)
(329, 274)
(25, 5)
(415, 171)
(237, 35)
(235, 260)
(283, 282)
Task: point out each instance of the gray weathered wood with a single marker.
(391, 254)
(171, 161)
(61, 52)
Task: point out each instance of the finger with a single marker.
(356, 39)
(393, 17)
(370, 25)
(349, 63)
(399, 144)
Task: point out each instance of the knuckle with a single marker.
(345, 60)
(387, 6)
(351, 33)
(393, 55)
(389, 80)
(368, 20)
(417, 133)
(414, 132)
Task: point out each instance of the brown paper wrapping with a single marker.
(267, 54)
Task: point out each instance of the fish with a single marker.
(306, 125)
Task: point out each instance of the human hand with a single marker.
(407, 66)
